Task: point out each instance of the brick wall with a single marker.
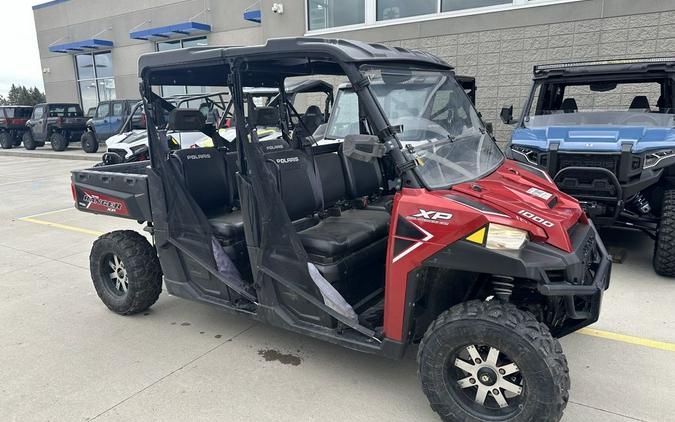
(502, 60)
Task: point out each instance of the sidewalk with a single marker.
(73, 152)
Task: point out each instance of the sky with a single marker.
(18, 46)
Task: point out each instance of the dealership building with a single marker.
(89, 48)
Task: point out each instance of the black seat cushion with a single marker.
(569, 105)
(228, 224)
(640, 102)
(339, 236)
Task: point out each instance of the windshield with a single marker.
(435, 117)
(647, 103)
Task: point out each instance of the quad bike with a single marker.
(413, 229)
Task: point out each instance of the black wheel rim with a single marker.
(114, 275)
(485, 382)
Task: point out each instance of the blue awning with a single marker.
(253, 16)
(81, 46)
(169, 31)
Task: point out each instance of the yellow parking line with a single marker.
(61, 226)
(639, 341)
(47, 213)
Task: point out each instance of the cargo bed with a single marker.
(120, 190)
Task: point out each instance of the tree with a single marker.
(20, 95)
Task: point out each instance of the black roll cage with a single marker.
(238, 69)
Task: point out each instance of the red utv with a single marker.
(12, 124)
(413, 229)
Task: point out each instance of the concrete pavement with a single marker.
(65, 357)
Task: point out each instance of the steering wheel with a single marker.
(642, 117)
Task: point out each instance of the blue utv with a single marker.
(605, 132)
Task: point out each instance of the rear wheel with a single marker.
(58, 141)
(89, 142)
(664, 248)
(6, 141)
(490, 361)
(28, 141)
(125, 271)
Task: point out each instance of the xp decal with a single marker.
(436, 217)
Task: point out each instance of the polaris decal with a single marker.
(101, 203)
(198, 156)
(287, 160)
(536, 218)
(540, 193)
(436, 217)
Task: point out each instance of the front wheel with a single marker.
(59, 142)
(664, 248)
(125, 271)
(28, 141)
(490, 361)
(89, 142)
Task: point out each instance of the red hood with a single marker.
(528, 196)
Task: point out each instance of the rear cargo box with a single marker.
(120, 190)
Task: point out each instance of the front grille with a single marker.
(609, 162)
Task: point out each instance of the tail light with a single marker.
(144, 120)
(72, 191)
(228, 122)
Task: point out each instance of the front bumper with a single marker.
(577, 279)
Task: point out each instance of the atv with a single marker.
(419, 233)
(13, 124)
(605, 132)
(57, 123)
(106, 121)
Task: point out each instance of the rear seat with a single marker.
(364, 180)
(207, 178)
(331, 237)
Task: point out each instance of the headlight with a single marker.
(653, 158)
(505, 238)
(529, 154)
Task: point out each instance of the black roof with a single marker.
(605, 67)
(207, 66)
(15, 106)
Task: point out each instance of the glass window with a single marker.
(118, 109)
(95, 78)
(106, 89)
(395, 9)
(450, 5)
(195, 42)
(345, 117)
(324, 14)
(88, 94)
(85, 66)
(168, 45)
(104, 68)
(38, 112)
(103, 110)
(167, 91)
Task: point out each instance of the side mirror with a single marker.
(490, 128)
(366, 148)
(507, 115)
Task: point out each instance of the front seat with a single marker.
(569, 105)
(640, 103)
(312, 119)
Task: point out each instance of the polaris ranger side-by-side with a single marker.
(56, 123)
(416, 233)
(605, 132)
